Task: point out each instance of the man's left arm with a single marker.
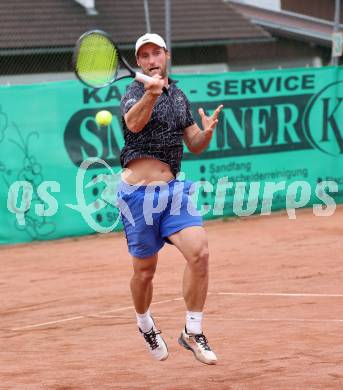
(197, 140)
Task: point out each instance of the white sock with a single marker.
(144, 321)
(193, 322)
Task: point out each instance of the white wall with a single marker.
(86, 3)
(269, 4)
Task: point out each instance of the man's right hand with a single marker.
(154, 86)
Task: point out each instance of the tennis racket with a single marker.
(96, 61)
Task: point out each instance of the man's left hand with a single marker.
(209, 122)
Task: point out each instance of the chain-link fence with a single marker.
(37, 38)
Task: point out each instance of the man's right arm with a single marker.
(140, 113)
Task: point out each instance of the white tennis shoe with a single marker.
(198, 344)
(155, 343)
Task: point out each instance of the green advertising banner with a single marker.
(278, 144)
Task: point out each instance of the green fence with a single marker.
(278, 143)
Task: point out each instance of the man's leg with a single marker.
(141, 291)
(141, 282)
(192, 243)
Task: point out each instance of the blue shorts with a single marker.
(150, 214)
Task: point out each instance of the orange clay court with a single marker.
(274, 313)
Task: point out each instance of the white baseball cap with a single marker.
(150, 38)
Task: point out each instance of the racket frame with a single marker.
(121, 60)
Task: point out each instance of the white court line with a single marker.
(180, 299)
(89, 315)
(280, 294)
(285, 319)
(49, 323)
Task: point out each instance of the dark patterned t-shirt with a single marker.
(162, 136)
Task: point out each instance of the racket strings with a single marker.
(97, 60)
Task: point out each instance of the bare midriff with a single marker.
(145, 171)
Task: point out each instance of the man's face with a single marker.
(153, 60)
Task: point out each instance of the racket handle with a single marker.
(143, 78)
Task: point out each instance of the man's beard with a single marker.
(161, 71)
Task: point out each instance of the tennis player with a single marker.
(156, 120)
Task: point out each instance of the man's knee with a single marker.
(145, 275)
(198, 260)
